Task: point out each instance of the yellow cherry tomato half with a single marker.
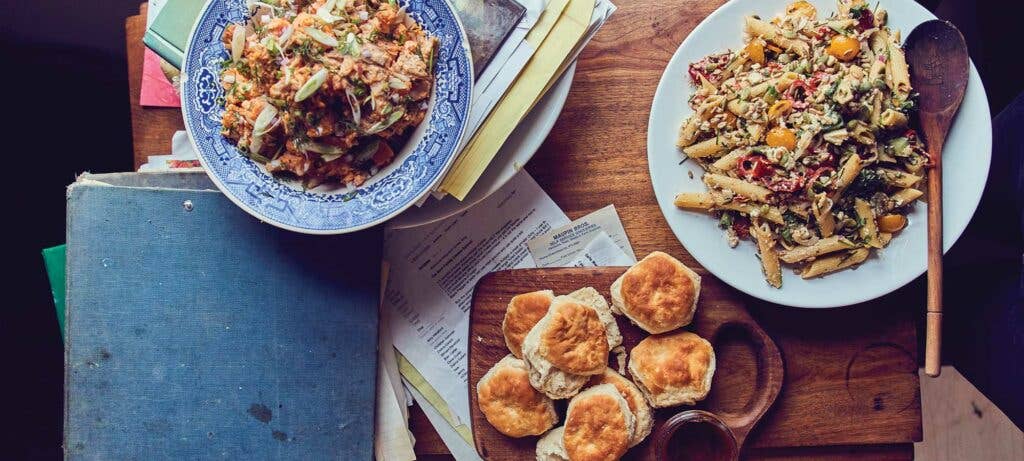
(891, 223)
(781, 137)
(755, 49)
(844, 48)
(802, 8)
(779, 108)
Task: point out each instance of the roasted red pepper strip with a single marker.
(807, 88)
(783, 185)
(866, 20)
(754, 166)
(742, 227)
(695, 75)
(817, 173)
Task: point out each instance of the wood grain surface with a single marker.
(747, 381)
(596, 155)
(152, 127)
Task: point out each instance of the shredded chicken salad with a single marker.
(325, 90)
(805, 137)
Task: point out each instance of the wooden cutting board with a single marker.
(739, 396)
(851, 386)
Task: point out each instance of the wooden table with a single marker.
(596, 155)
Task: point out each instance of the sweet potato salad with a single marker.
(325, 91)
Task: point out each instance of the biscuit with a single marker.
(524, 311)
(511, 404)
(598, 425)
(658, 294)
(550, 448)
(593, 298)
(565, 347)
(673, 369)
(634, 398)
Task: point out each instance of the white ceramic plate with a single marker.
(513, 155)
(966, 158)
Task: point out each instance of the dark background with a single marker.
(64, 82)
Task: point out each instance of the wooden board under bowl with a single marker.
(740, 395)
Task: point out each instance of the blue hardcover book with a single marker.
(194, 331)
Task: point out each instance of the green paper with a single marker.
(55, 260)
(168, 36)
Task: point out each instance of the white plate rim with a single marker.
(536, 129)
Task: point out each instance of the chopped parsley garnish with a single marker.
(867, 183)
(726, 220)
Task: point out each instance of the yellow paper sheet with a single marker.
(552, 50)
(417, 380)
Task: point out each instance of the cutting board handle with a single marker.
(769, 374)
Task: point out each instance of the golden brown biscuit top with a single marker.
(596, 429)
(524, 311)
(626, 389)
(658, 291)
(575, 340)
(513, 406)
(674, 361)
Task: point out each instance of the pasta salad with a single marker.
(805, 138)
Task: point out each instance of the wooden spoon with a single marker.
(937, 55)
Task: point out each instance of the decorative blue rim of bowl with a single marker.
(262, 195)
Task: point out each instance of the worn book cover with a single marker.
(194, 331)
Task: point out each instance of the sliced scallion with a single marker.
(322, 149)
(311, 85)
(321, 37)
(262, 124)
(237, 43)
(325, 12)
(351, 45)
(353, 102)
(384, 124)
(286, 34)
(366, 151)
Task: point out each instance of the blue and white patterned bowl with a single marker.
(323, 210)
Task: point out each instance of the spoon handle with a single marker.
(933, 329)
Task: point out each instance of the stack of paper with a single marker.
(434, 268)
(531, 60)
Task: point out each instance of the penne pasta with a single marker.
(847, 173)
(905, 197)
(834, 263)
(821, 247)
(740, 187)
(694, 200)
(876, 109)
(766, 249)
(890, 119)
(737, 107)
(896, 72)
(897, 178)
(821, 206)
(688, 132)
(728, 161)
(771, 213)
(707, 148)
(773, 34)
(868, 226)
